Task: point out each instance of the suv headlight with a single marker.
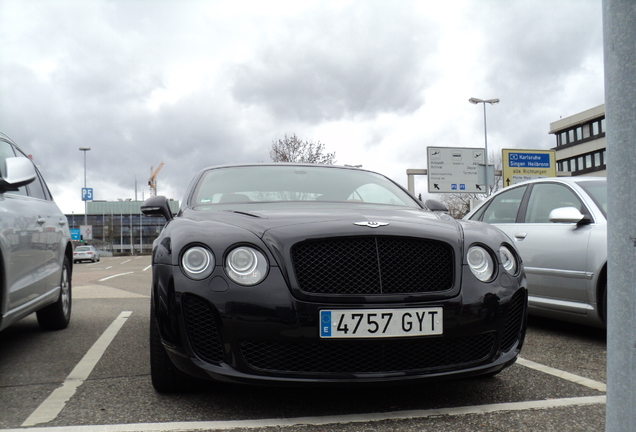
(481, 263)
(246, 265)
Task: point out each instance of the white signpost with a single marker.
(455, 170)
(86, 231)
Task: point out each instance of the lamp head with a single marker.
(487, 101)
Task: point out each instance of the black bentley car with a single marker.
(292, 273)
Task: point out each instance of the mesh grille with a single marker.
(514, 319)
(368, 356)
(373, 265)
(202, 330)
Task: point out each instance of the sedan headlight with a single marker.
(481, 263)
(246, 265)
(197, 262)
(508, 260)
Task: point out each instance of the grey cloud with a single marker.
(532, 50)
(352, 61)
(369, 59)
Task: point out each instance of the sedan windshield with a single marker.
(286, 183)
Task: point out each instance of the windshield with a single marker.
(285, 183)
(597, 189)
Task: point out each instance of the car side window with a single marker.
(35, 188)
(546, 197)
(505, 206)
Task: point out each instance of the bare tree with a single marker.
(459, 204)
(292, 149)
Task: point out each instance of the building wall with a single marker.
(119, 226)
(580, 140)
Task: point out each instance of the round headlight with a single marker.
(508, 260)
(480, 263)
(197, 262)
(246, 265)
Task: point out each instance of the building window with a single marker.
(595, 128)
(579, 133)
(586, 131)
(582, 164)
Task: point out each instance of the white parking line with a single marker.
(124, 262)
(54, 404)
(150, 266)
(318, 421)
(51, 407)
(114, 276)
(596, 385)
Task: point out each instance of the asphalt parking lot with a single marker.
(95, 376)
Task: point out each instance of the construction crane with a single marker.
(152, 181)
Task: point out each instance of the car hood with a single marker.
(330, 221)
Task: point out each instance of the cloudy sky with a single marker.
(200, 83)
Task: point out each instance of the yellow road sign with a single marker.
(520, 164)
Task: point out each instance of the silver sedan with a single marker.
(86, 253)
(559, 226)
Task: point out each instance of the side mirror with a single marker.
(19, 171)
(568, 215)
(436, 206)
(157, 206)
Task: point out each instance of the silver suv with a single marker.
(35, 245)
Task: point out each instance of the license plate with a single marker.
(377, 323)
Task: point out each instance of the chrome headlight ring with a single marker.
(197, 262)
(481, 263)
(246, 265)
(509, 260)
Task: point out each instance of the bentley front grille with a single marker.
(373, 265)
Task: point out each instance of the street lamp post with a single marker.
(476, 101)
(85, 149)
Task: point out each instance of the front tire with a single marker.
(58, 315)
(166, 378)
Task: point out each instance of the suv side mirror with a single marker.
(19, 171)
(157, 206)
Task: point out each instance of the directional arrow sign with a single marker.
(454, 169)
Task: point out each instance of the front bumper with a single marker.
(263, 334)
